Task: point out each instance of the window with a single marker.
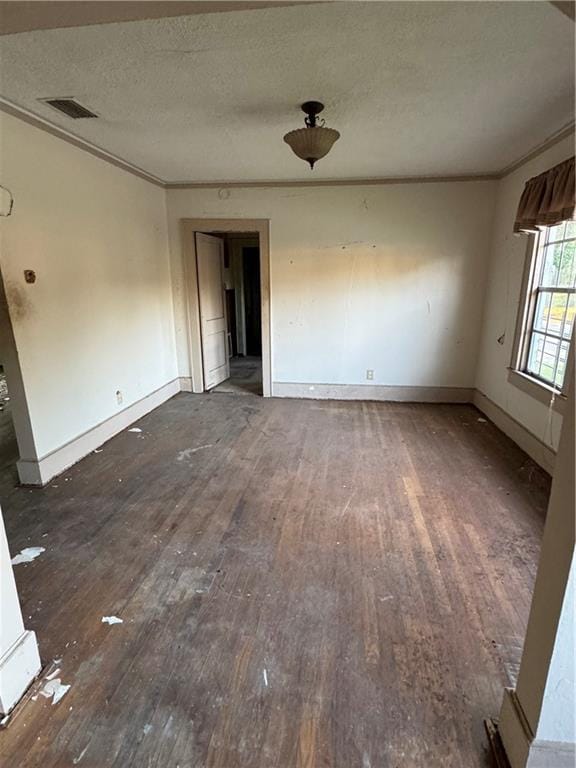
(543, 348)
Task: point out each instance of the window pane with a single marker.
(542, 311)
(542, 357)
(535, 353)
(567, 271)
(549, 355)
(556, 233)
(554, 312)
(569, 322)
(562, 360)
(557, 313)
(552, 262)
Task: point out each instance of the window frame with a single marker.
(517, 373)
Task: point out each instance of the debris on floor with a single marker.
(80, 756)
(187, 452)
(111, 620)
(54, 689)
(135, 429)
(53, 674)
(27, 555)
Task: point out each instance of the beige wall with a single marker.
(508, 253)
(99, 317)
(383, 277)
(388, 278)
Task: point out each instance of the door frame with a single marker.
(261, 227)
(212, 327)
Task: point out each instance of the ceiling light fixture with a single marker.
(314, 141)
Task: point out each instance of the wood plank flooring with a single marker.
(302, 584)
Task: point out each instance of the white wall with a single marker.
(99, 317)
(19, 659)
(503, 291)
(389, 278)
(558, 718)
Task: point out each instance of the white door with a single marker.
(210, 257)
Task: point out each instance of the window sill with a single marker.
(536, 389)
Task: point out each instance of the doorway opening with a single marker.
(241, 275)
(227, 269)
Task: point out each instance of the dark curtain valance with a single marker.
(547, 199)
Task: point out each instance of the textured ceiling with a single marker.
(415, 88)
(26, 15)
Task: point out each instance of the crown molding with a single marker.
(38, 122)
(375, 181)
(45, 125)
(563, 133)
(568, 8)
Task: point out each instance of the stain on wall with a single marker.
(20, 305)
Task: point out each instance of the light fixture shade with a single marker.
(311, 144)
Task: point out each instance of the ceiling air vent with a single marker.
(70, 108)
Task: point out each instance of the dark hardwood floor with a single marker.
(302, 584)
(245, 377)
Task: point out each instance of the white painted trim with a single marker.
(18, 668)
(41, 471)
(538, 390)
(372, 392)
(189, 227)
(522, 749)
(186, 384)
(541, 453)
(87, 146)
(514, 730)
(564, 132)
(551, 754)
(348, 182)
(43, 124)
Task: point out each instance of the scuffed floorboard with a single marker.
(322, 585)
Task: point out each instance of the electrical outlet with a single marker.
(119, 397)
(369, 375)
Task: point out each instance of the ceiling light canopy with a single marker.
(314, 141)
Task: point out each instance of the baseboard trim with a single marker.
(40, 471)
(522, 749)
(551, 754)
(186, 384)
(514, 729)
(376, 392)
(18, 668)
(541, 453)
